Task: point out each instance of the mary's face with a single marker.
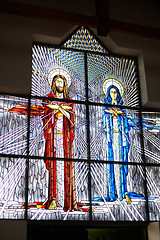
(113, 93)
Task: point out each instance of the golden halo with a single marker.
(59, 71)
(112, 81)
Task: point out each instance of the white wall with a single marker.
(154, 231)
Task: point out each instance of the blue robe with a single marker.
(123, 129)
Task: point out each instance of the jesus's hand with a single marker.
(53, 106)
(65, 107)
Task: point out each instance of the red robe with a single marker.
(50, 151)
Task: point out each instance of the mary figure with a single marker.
(117, 128)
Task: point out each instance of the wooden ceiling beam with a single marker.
(135, 29)
(50, 14)
(102, 14)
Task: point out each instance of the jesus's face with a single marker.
(59, 85)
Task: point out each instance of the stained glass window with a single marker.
(79, 147)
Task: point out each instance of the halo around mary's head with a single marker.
(112, 81)
(59, 71)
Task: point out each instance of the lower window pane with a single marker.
(117, 192)
(58, 190)
(12, 188)
(153, 187)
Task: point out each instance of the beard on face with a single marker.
(59, 89)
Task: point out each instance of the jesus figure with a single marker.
(59, 134)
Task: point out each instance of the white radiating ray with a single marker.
(96, 181)
(131, 211)
(105, 63)
(34, 141)
(12, 190)
(96, 142)
(93, 146)
(80, 170)
(82, 144)
(80, 181)
(157, 206)
(36, 214)
(20, 145)
(41, 215)
(12, 179)
(13, 99)
(151, 138)
(94, 69)
(10, 140)
(13, 133)
(65, 217)
(9, 143)
(12, 169)
(137, 212)
(99, 171)
(149, 154)
(124, 209)
(9, 177)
